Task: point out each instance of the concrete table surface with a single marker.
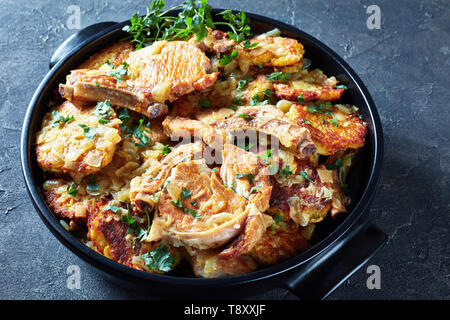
(406, 67)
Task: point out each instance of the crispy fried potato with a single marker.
(271, 51)
(208, 264)
(308, 86)
(281, 241)
(332, 128)
(79, 146)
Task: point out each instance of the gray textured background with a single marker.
(405, 66)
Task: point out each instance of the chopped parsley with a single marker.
(89, 132)
(339, 162)
(305, 175)
(279, 76)
(166, 149)
(245, 116)
(135, 129)
(254, 189)
(177, 204)
(301, 99)
(262, 98)
(305, 121)
(72, 190)
(334, 121)
(159, 259)
(103, 111)
(249, 176)
(60, 119)
(131, 222)
(192, 212)
(227, 58)
(160, 24)
(266, 156)
(286, 171)
(241, 84)
(278, 221)
(248, 146)
(120, 72)
(237, 100)
(186, 193)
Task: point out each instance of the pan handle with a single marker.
(78, 39)
(328, 270)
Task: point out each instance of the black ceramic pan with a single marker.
(340, 246)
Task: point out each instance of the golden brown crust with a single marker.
(330, 132)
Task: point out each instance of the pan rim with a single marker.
(127, 273)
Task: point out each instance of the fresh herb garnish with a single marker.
(323, 108)
(305, 121)
(262, 98)
(278, 217)
(60, 119)
(254, 189)
(278, 221)
(166, 149)
(334, 121)
(160, 25)
(237, 100)
(245, 116)
(305, 175)
(249, 176)
(103, 111)
(341, 86)
(248, 146)
(131, 222)
(72, 190)
(88, 131)
(336, 165)
(120, 72)
(159, 259)
(123, 114)
(301, 99)
(286, 171)
(186, 193)
(241, 84)
(266, 156)
(279, 76)
(192, 212)
(133, 129)
(178, 203)
(227, 58)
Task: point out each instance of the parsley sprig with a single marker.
(194, 18)
(59, 119)
(135, 129)
(159, 259)
(157, 24)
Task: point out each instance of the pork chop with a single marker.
(148, 78)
